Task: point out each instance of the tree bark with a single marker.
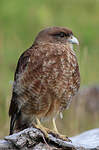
(34, 139)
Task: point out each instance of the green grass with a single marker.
(20, 21)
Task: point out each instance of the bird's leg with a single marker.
(54, 126)
(42, 128)
(63, 137)
(38, 122)
(47, 131)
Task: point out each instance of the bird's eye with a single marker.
(62, 34)
(68, 34)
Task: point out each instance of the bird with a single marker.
(46, 78)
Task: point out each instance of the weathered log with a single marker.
(34, 139)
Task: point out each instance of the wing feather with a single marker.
(14, 111)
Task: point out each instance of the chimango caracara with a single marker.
(46, 78)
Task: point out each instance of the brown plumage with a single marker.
(46, 78)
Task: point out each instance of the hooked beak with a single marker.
(73, 40)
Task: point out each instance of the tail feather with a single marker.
(18, 122)
(14, 112)
(12, 122)
(14, 118)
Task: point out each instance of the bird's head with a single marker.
(56, 35)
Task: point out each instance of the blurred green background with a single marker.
(21, 20)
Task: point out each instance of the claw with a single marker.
(58, 135)
(42, 128)
(54, 132)
(64, 138)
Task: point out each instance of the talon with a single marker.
(42, 128)
(47, 131)
(64, 138)
(57, 134)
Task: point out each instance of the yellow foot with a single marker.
(42, 128)
(58, 135)
(47, 131)
(63, 137)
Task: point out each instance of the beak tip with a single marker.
(74, 40)
(78, 43)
